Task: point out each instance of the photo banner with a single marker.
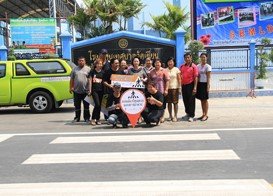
(233, 22)
(33, 33)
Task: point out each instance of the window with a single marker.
(21, 70)
(71, 64)
(50, 67)
(2, 70)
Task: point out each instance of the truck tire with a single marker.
(40, 102)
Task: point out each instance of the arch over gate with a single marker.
(126, 45)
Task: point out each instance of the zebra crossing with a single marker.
(4, 137)
(136, 187)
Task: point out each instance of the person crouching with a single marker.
(154, 108)
(114, 111)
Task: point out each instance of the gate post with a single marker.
(180, 46)
(3, 53)
(252, 61)
(3, 49)
(66, 45)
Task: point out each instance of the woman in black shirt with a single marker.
(96, 89)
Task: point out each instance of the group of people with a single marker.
(163, 86)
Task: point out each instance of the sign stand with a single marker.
(132, 103)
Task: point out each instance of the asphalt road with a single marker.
(231, 153)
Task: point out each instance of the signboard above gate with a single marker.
(124, 47)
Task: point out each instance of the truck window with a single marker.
(50, 67)
(2, 70)
(21, 70)
(71, 64)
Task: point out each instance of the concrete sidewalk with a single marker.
(236, 112)
(239, 112)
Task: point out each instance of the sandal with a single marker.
(174, 119)
(170, 119)
(98, 122)
(162, 120)
(204, 118)
(93, 122)
(200, 118)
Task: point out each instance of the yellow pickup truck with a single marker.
(41, 84)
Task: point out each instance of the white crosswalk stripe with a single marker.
(132, 157)
(136, 138)
(244, 187)
(4, 137)
(256, 187)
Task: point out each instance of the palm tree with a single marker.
(108, 12)
(169, 22)
(90, 8)
(188, 33)
(156, 24)
(82, 22)
(128, 9)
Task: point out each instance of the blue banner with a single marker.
(33, 30)
(233, 23)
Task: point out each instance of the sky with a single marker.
(153, 7)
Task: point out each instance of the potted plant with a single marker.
(11, 56)
(195, 47)
(264, 58)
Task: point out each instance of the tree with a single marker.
(195, 47)
(156, 24)
(90, 8)
(128, 9)
(188, 34)
(264, 58)
(108, 13)
(97, 31)
(169, 22)
(82, 22)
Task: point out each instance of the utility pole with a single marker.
(52, 9)
(73, 26)
(7, 30)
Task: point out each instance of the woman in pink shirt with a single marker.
(189, 78)
(161, 78)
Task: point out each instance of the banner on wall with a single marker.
(34, 33)
(233, 22)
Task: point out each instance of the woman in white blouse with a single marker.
(172, 97)
(203, 86)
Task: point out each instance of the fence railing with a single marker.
(233, 57)
(228, 57)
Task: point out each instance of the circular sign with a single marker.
(123, 43)
(133, 101)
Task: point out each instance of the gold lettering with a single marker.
(127, 56)
(90, 54)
